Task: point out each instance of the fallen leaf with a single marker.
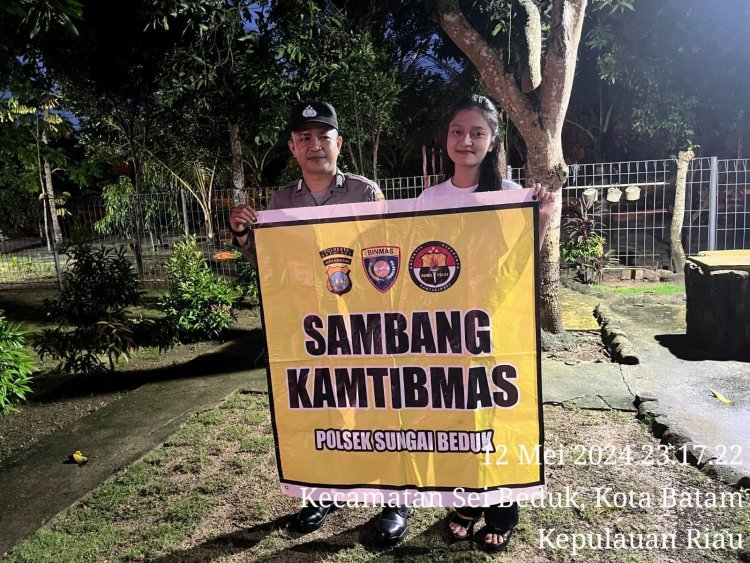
(721, 397)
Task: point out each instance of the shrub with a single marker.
(246, 282)
(581, 246)
(197, 305)
(16, 366)
(99, 285)
(81, 349)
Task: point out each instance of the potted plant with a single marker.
(582, 246)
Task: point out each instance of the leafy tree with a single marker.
(244, 63)
(26, 140)
(22, 21)
(394, 94)
(672, 85)
(208, 67)
(114, 81)
(119, 203)
(366, 104)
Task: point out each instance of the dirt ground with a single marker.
(581, 346)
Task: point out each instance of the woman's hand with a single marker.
(547, 205)
(546, 202)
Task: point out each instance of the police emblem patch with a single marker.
(381, 264)
(434, 266)
(337, 260)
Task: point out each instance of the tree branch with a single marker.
(500, 83)
(582, 128)
(532, 31)
(560, 62)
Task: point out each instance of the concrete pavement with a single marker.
(681, 377)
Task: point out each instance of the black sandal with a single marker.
(466, 523)
(492, 547)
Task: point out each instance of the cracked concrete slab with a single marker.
(562, 383)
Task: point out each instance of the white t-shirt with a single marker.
(447, 189)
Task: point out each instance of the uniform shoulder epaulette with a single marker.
(292, 184)
(361, 179)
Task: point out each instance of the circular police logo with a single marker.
(434, 266)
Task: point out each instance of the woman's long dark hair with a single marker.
(491, 169)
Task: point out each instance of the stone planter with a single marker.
(717, 286)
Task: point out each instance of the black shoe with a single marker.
(312, 517)
(392, 525)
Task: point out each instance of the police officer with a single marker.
(315, 143)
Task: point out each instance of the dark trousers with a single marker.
(499, 516)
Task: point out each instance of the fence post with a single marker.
(713, 202)
(184, 211)
(51, 237)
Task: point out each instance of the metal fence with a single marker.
(632, 206)
(635, 204)
(166, 217)
(635, 223)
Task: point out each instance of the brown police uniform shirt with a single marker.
(344, 188)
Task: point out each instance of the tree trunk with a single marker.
(540, 124)
(238, 171)
(137, 245)
(375, 145)
(49, 193)
(545, 164)
(677, 253)
(358, 130)
(351, 155)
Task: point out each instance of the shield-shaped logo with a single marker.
(382, 265)
(337, 260)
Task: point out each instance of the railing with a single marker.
(636, 226)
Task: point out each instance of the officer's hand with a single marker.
(242, 217)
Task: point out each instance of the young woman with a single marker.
(474, 149)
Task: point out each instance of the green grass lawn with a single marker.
(210, 493)
(664, 289)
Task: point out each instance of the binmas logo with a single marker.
(381, 264)
(434, 266)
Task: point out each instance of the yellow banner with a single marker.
(404, 349)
